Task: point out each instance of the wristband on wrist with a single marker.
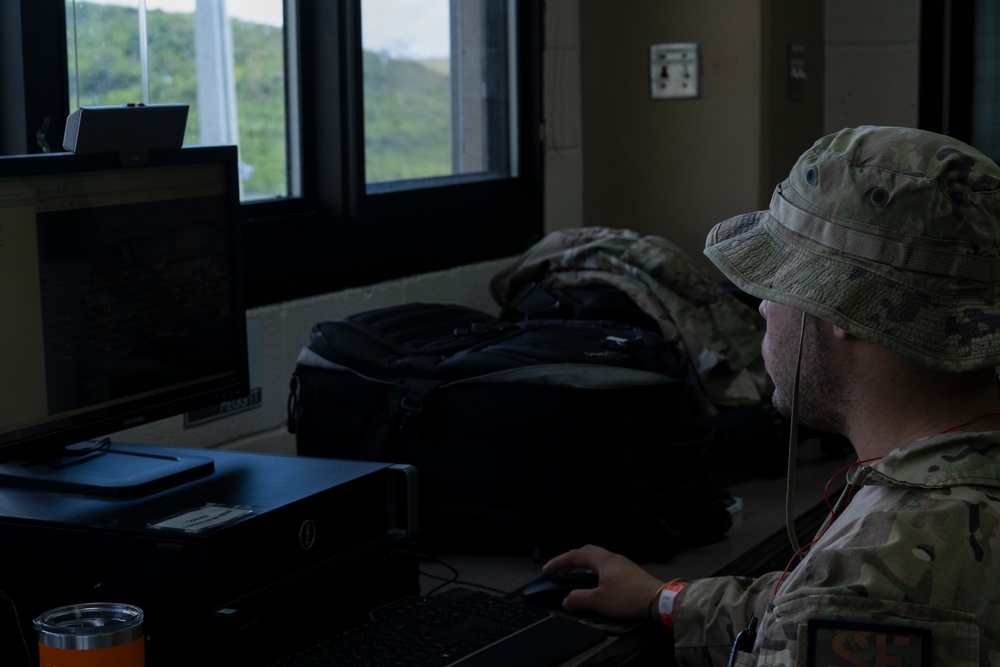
(662, 604)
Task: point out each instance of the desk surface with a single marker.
(757, 535)
(757, 530)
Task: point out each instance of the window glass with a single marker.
(986, 79)
(224, 59)
(436, 91)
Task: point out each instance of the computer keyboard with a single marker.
(460, 626)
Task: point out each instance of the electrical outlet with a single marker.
(675, 70)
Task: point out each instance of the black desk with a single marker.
(756, 542)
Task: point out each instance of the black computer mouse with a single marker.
(549, 590)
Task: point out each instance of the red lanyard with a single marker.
(829, 521)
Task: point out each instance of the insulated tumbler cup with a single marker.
(96, 634)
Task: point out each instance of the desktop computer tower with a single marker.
(263, 555)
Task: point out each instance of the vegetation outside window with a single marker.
(437, 92)
(436, 82)
(225, 59)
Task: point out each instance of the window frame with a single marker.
(335, 236)
(946, 68)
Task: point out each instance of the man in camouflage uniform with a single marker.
(879, 266)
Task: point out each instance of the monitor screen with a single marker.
(120, 293)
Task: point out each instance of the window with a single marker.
(986, 79)
(367, 155)
(960, 71)
(436, 91)
(226, 60)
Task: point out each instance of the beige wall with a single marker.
(610, 153)
(670, 167)
(674, 168)
(563, 128)
(791, 108)
(872, 65)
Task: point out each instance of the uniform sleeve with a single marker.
(709, 613)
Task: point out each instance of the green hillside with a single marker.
(407, 108)
(407, 120)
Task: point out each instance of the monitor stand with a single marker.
(104, 468)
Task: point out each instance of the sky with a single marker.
(411, 28)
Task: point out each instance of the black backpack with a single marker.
(528, 437)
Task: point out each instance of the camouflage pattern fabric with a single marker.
(890, 233)
(917, 548)
(721, 334)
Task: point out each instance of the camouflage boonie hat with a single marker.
(891, 234)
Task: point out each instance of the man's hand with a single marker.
(624, 589)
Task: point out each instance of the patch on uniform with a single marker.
(846, 644)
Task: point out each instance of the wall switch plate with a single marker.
(675, 70)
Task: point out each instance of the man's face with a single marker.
(822, 398)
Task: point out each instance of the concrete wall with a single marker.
(870, 77)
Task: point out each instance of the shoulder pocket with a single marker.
(849, 631)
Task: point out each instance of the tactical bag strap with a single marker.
(411, 403)
(293, 404)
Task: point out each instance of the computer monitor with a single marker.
(120, 304)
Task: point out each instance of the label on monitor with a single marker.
(203, 518)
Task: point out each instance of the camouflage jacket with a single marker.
(721, 334)
(912, 562)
